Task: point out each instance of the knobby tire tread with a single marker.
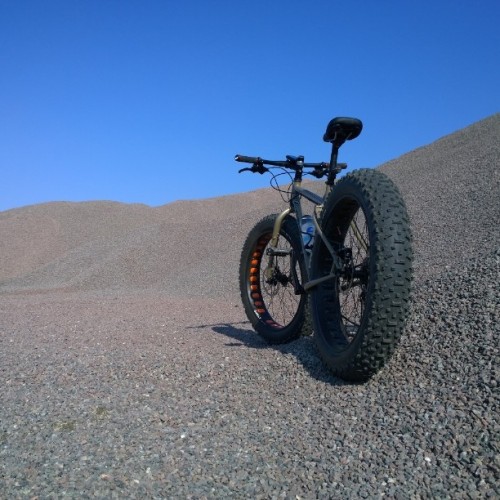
(298, 326)
(388, 300)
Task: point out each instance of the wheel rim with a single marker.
(271, 288)
(353, 282)
(342, 303)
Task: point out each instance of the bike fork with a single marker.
(273, 251)
(277, 226)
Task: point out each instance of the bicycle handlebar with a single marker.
(248, 159)
(292, 164)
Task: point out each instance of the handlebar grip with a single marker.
(247, 159)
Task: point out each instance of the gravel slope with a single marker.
(128, 369)
(452, 191)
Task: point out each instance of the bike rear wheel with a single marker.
(268, 283)
(360, 314)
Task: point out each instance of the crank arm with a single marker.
(311, 284)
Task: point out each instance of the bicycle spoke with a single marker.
(352, 287)
(277, 286)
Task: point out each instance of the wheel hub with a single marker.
(273, 276)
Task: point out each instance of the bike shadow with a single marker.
(303, 349)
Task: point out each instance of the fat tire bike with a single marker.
(343, 272)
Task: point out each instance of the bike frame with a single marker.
(297, 192)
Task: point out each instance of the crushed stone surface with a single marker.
(128, 368)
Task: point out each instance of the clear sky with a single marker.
(148, 101)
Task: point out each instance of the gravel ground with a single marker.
(115, 389)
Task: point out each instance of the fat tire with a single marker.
(389, 274)
(269, 327)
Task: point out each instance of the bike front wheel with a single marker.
(270, 279)
(360, 313)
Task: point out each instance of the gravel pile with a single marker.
(114, 246)
(117, 384)
(452, 190)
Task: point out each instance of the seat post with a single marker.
(332, 171)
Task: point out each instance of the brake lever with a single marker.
(256, 168)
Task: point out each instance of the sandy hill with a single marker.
(192, 247)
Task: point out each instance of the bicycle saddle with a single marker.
(342, 129)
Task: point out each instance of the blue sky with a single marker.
(148, 101)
